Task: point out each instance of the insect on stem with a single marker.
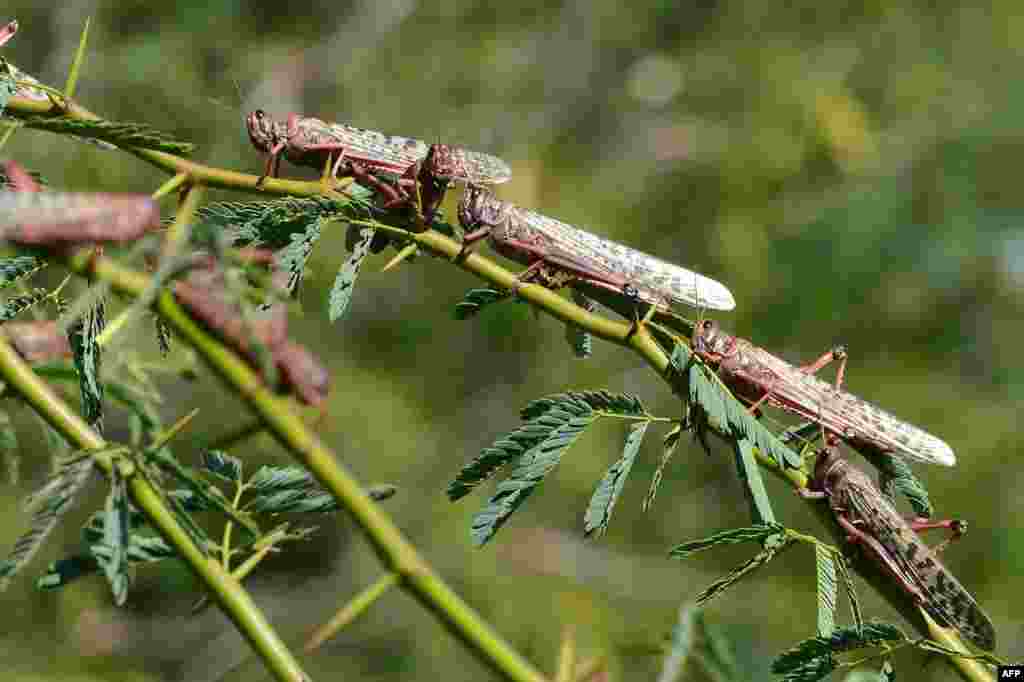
(869, 519)
(756, 377)
(564, 254)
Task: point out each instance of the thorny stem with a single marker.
(233, 598)
(352, 610)
(281, 420)
(289, 429)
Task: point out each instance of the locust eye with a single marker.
(259, 114)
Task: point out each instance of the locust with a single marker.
(307, 141)
(756, 376)
(37, 342)
(203, 293)
(870, 520)
(34, 218)
(564, 254)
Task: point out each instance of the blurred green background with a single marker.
(846, 168)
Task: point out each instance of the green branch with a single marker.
(397, 554)
(236, 601)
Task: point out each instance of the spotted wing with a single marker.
(654, 279)
(854, 419)
(945, 598)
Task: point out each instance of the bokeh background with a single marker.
(848, 169)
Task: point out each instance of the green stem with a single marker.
(233, 598)
(282, 421)
(352, 610)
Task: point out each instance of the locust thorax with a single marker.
(441, 163)
(262, 130)
(479, 208)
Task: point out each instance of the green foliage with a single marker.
(602, 503)
(475, 299)
(222, 465)
(10, 308)
(563, 428)
(116, 537)
(7, 85)
(272, 224)
(341, 291)
(82, 335)
(17, 268)
(696, 643)
(163, 335)
(826, 590)
(292, 258)
(48, 505)
(896, 476)
(137, 135)
(715, 407)
(580, 340)
(813, 658)
(753, 485)
(682, 643)
(727, 537)
(552, 425)
(772, 546)
(669, 444)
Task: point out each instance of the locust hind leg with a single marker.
(956, 528)
(393, 196)
(834, 353)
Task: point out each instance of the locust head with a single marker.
(264, 132)
(441, 163)
(830, 469)
(710, 342)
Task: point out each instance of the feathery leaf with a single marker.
(60, 495)
(17, 268)
(896, 476)
(531, 468)
(222, 465)
(841, 639)
(138, 135)
(602, 502)
(682, 643)
(82, 335)
(475, 299)
(116, 537)
(344, 283)
(753, 484)
(826, 591)
(760, 559)
(580, 340)
(669, 445)
(732, 536)
(10, 308)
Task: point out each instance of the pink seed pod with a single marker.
(37, 342)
